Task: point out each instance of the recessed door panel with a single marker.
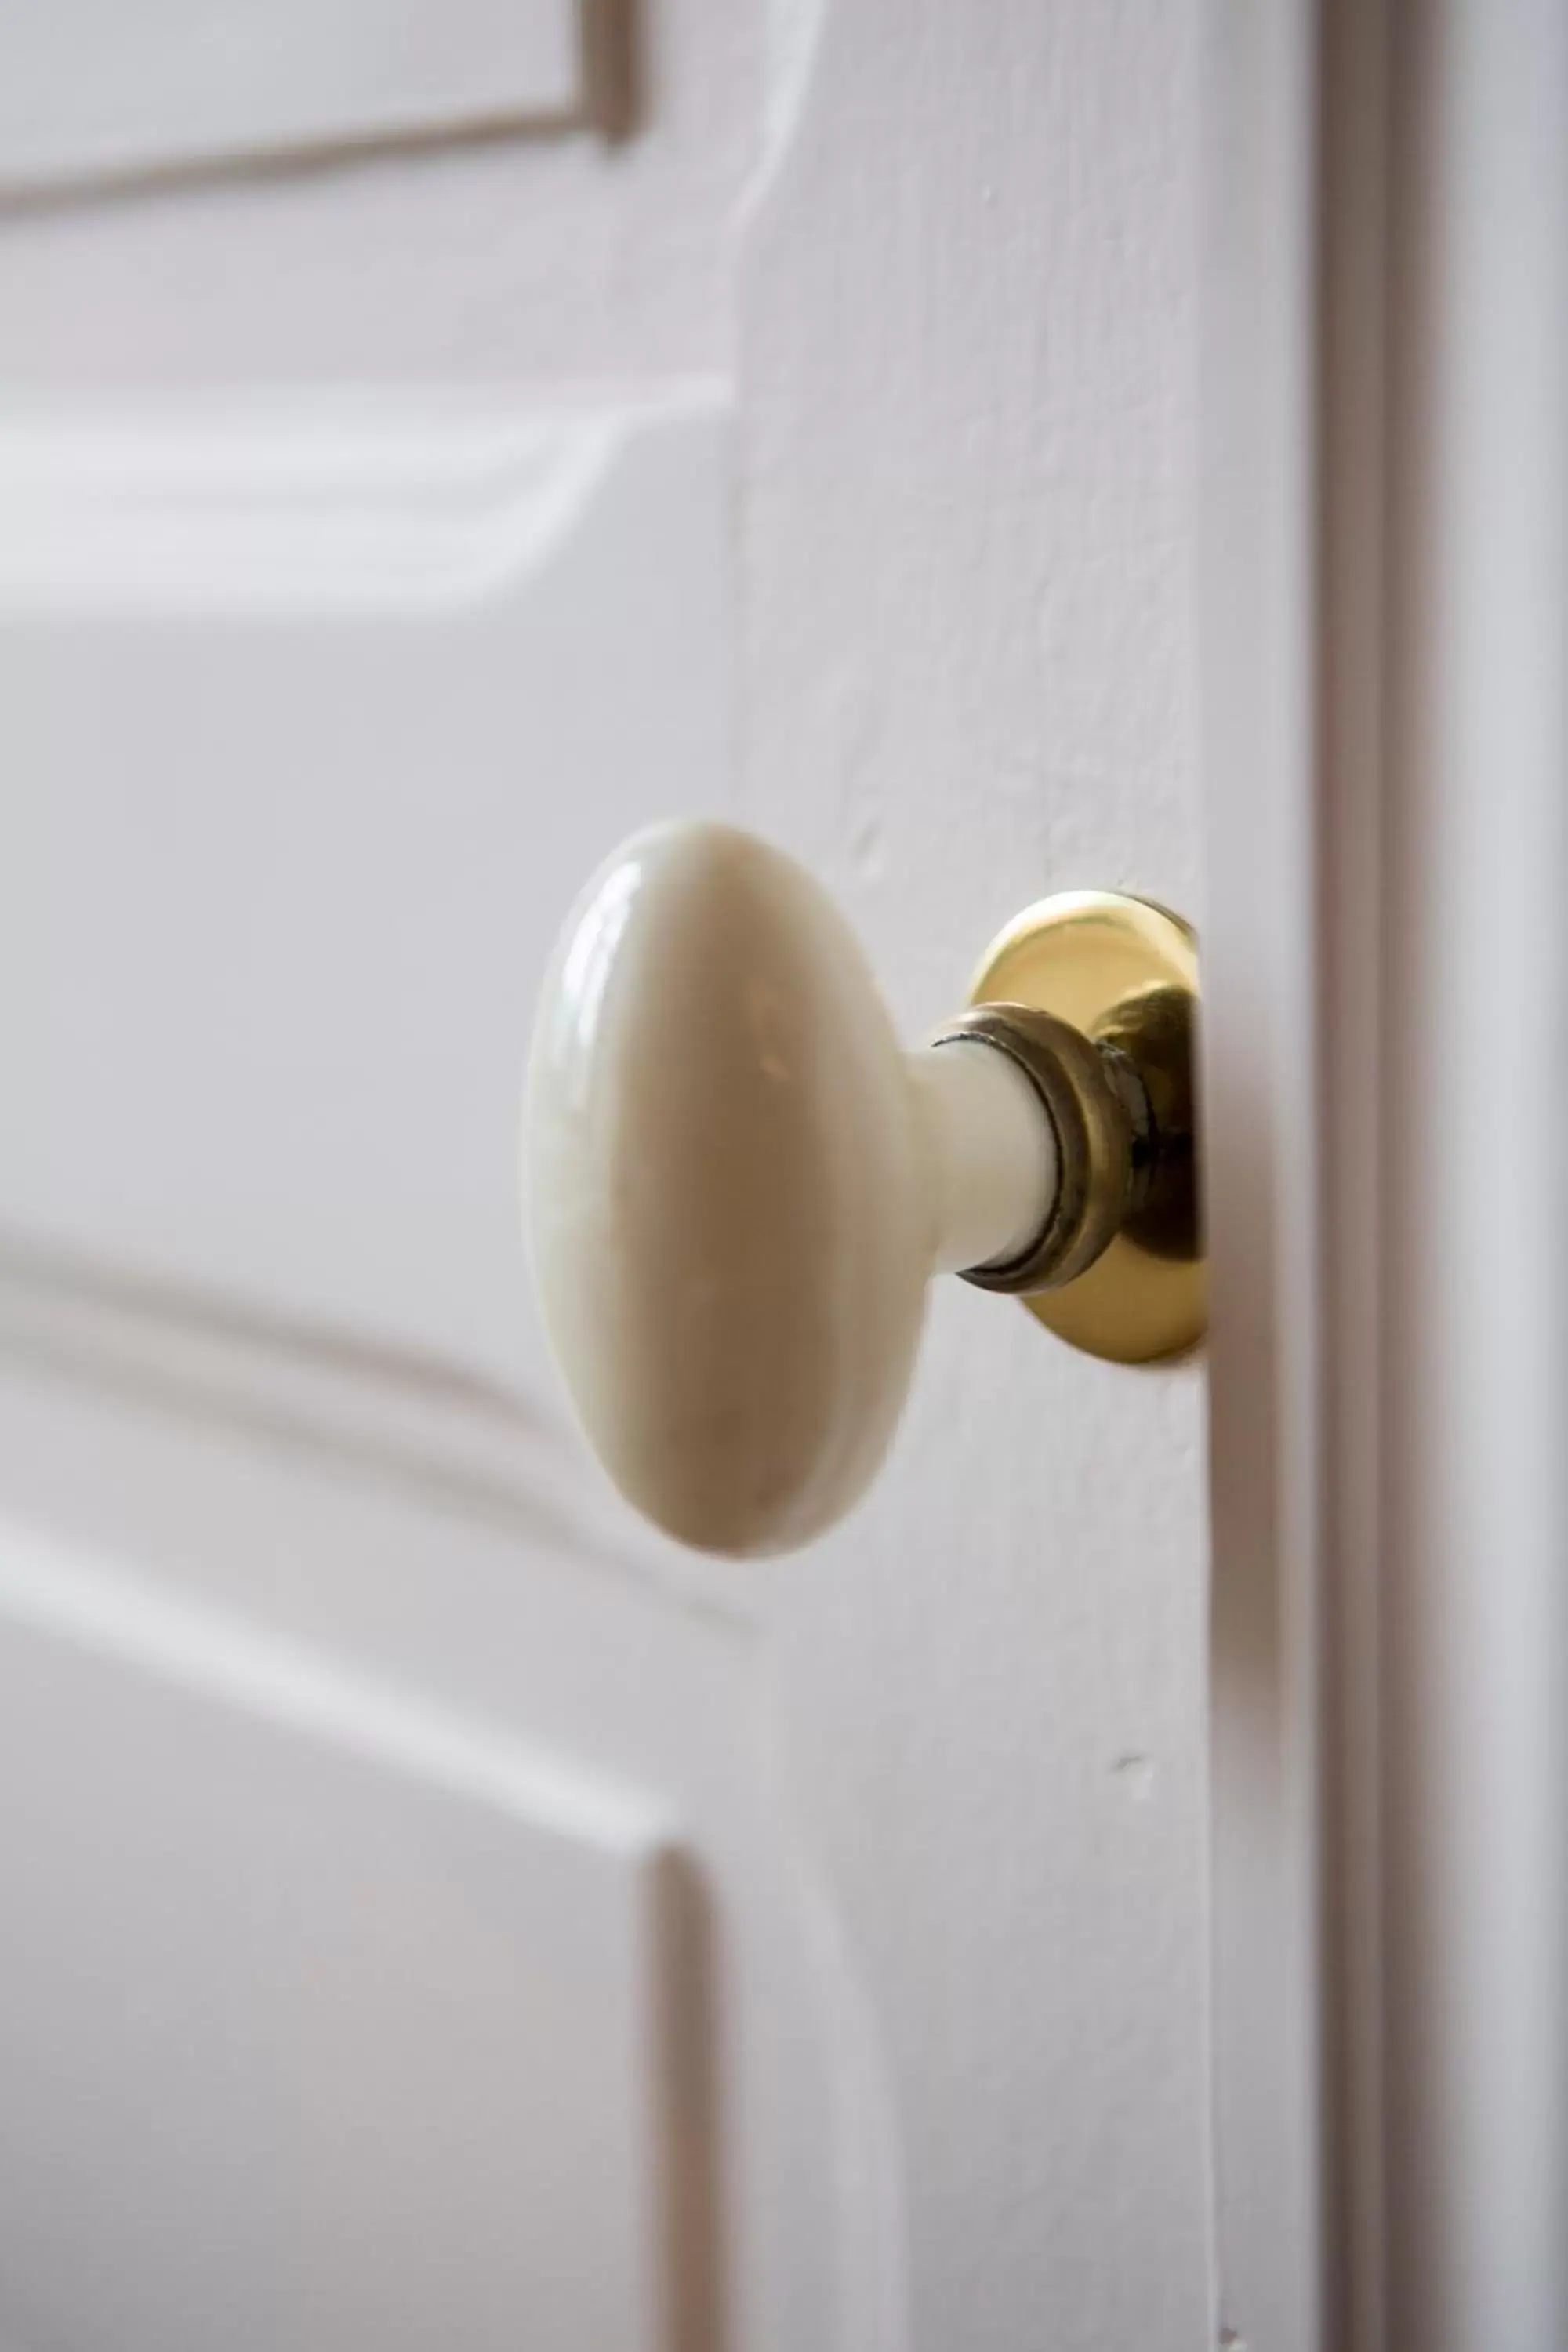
(91, 87)
(329, 2017)
(314, 718)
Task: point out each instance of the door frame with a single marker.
(1384, 591)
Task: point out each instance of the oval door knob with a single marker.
(739, 1186)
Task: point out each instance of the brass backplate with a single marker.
(1124, 971)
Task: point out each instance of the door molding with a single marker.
(353, 660)
(1261, 1047)
(309, 503)
(100, 110)
(348, 1403)
(1386, 603)
(1474, 1534)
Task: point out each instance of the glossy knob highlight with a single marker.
(739, 1186)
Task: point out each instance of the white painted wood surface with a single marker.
(93, 90)
(557, 262)
(1474, 1392)
(336, 1567)
(327, 2014)
(369, 698)
(864, 508)
(1388, 591)
(1257, 429)
(969, 306)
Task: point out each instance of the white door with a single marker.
(438, 1914)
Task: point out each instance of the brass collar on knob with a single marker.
(1093, 994)
(1100, 1118)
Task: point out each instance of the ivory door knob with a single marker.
(739, 1186)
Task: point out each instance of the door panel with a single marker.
(327, 2015)
(314, 725)
(371, 1819)
(89, 90)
